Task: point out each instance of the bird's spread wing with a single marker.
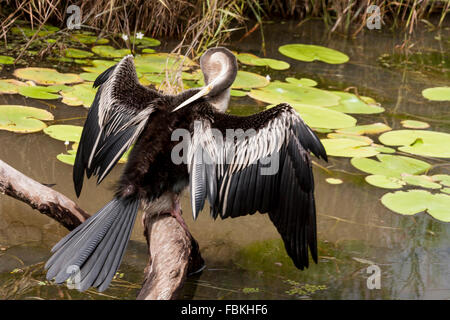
(265, 167)
(115, 120)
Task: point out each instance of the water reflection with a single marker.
(245, 258)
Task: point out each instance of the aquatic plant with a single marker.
(23, 119)
(437, 94)
(326, 111)
(420, 142)
(213, 21)
(414, 201)
(308, 53)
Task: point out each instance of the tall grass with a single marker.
(207, 23)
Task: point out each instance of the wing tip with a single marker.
(107, 73)
(103, 76)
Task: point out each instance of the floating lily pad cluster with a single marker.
(397, 172)
(414, 201)
(319, 108)
(326, 111)
(45, 30)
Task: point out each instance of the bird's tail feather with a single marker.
(96, 247)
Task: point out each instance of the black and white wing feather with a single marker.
(265, 167)
(115, 120)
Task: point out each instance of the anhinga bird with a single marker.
(228, 173)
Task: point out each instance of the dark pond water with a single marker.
(245, 257)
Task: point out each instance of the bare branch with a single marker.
(44, 199)
(173, 255)
(173, 252)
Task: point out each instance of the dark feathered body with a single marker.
(231, 174)
(150, 170)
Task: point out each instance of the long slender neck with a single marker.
(221, 101)
(219, 68)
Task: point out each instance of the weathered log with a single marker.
(173, 253)
(44, 199)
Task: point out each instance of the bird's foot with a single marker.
(176, 213)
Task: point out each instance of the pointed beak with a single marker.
(207, 89)
(197, 96)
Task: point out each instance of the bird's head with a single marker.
(219, 67)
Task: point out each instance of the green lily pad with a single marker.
(248, 80)
(365, 129)
(45, 30)
(194, 75)
(67, 158)
(308, 53)
(98, 66)
(89, 76)
(77, 53)
(421, 181)
(160, 62)
(237, 93)
(148, 50)
(414, 124)
(110, 52)
(252, 60)
(279, 92)
(333, 181)
(75, 133)
(437, 94)
(6, 60)
(39, 92)
(383, 149)
(350, 103)
(84, 62)
(335, 135)
(303, 81)
(274, 63)
(318, 117)
(323, 130)
(248, 58)
(10, 86)
(46, 76)
(414, 201)
(80, 94)
(23, 119)
(347, 148)
(64, 132)
(7, 87)
(445, 190)
(87, 38)
(390, 165)
(384, 181)
(145, 41)
(443, 179)
(152, 78)
(420, 142)
(188, 84)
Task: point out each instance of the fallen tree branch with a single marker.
(173, 252)
(44, 199)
